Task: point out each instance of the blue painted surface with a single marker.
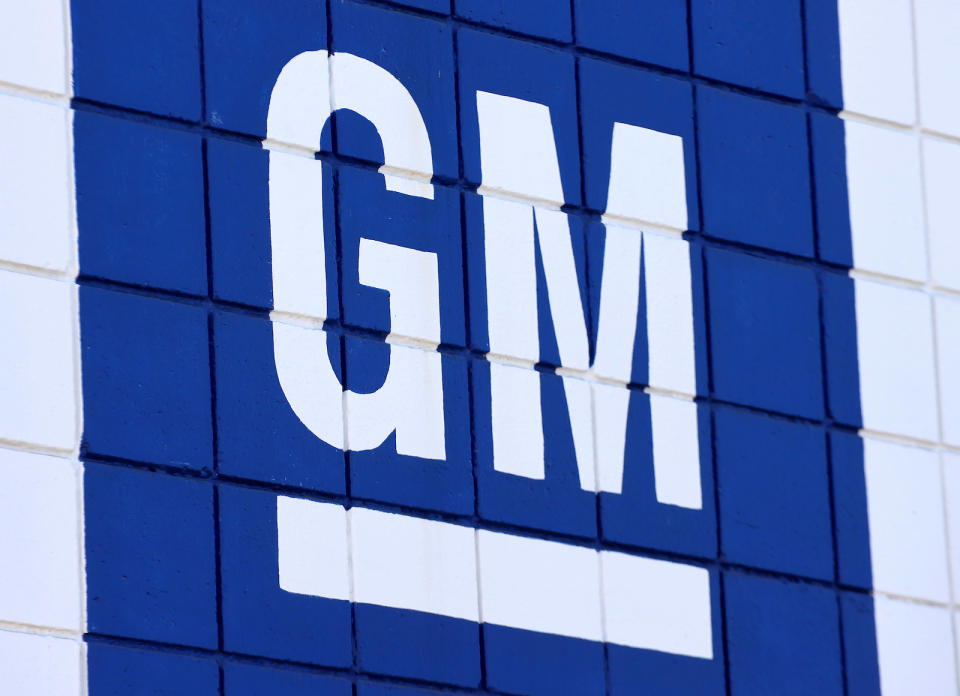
(188, 438)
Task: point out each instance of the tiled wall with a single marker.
(807, 157)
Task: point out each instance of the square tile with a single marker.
(941, 168)
(947, 312)
(908, 547)
(114, 671)
(140, 204)
(774, 494)
(549, 19)
(146, 386)
(755, 172)
(765, 333)
(650, 32)
(832, 205)
(950, 463)
(841, 359)
(35, 665)
(822, 25)
(246, 44)
(876, 49)
(895, 346)
(402, 57)
(38, 360)
(260, 616)
(936, 24)
(36, 184)
(143, 57)
(254, 680)
(150, 573)
(638, 145)
(523, 121)
(783, 637)
(853, 521)
(41, 547)
(915, 648)
(401, 259)
(753, 44)
(886, 201)
(34, 45)
(263, 417)
(441, 6)
(408, 426)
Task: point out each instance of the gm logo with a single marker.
(646, 272)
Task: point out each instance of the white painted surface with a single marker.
(36, 182)
(915, 649)
(886, 201)
(941, 172)
(34, 45)
(37, 361)
(35, 665)
(938, 55)
(876, 48)
(908, 545)
(676, 451)
(897, 371)
(947, 310)
(657, 605)
(951, 484)
(313, 551)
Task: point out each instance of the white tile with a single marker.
(411, 563)
(312, 548)
(938, 55)
(647, 179)
(914, 649)
(876, 49)
(33, 665)
(33, 44)
(895, 347)
(886, 201)
(951, 483)
(657, 605)
(941, 172)
(538, 585)
(36, 228)
(908, 546)
(37, 361)
(40, 544)
(948, 365)
(676, 451)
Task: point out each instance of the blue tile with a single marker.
(368, 211)
(774, 487)
(860, 644)
(549, 19)
(616, 94)
(384, 475)
(840, 348)
(240, 232)
(257, 680)
(417, 645)
(143, 56)
(238, 194)
(524, 662)
(751, 43)
(556, 503)
(782, 638)
(754, 171)
(260, 618)
(652, 32)
(417, 51)
(489, 63)
(119, 671)
(854, 565)
(246, 43)
(150, 556)
(822, 24)
(635, 517)
(140, 203)
(828, 142)
(259, 436)
(764, 333)
(372, 689)
(146, 379)
(441, 6)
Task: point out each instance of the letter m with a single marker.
(645, 217)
